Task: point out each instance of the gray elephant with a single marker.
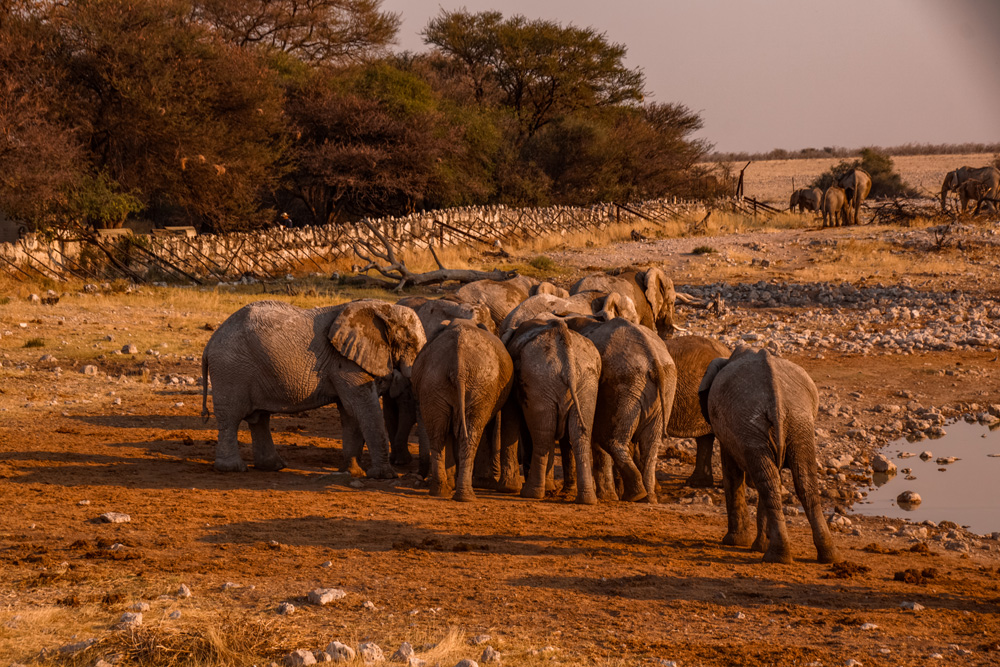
(634, 400)
(857, 184)
(270, 357)
(836, 208)
(989, 176)
(603, 305)
(461, 379)
(692, 355)
(807, 199)
(763, 411)
(651, 291)
(500, 296)
(557, 373)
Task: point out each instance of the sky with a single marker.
(793, 74)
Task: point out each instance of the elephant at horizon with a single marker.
(638, 380)
(692, 356)
(857, 184)
(763, 410)
(807, 199)
(461, 379)
(603, 305)
(270, 356)
(651, 291)
(557, 374)
(974, 190)
(835, 207)
(989, 176)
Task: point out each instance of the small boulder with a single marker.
(881, 464)
(114, 517)
(300, 657)
(403, 653)
(912, 606)
(340, 652)
(908, 498)
(371, 652)
(89, 369)
(490, 654)
(130, 619)
(174, 615)
(130, 349)
(184, 591)
(322, 596)
(140, 606)
(286, 609)
(72, 649)
(467, 663)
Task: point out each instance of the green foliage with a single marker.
(99, 202)
(543, 263)
(35, 342)
(886, 181)
(703, 250)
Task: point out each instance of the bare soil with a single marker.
(615, 584)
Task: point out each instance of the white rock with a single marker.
(70, 649)
(369, 605)
(490, 654)
(184, 591)
(83, 502)
(89, 369)
(881, 464)
(479, 639)
(322, 656)
(286, 608)
(230, 585)
(300, 657)
(404, 651)
(340, 652)
(371, 652)
(174, 614)
(140, 606)
(913, 606)
(130, 349)
(467, 663)
(869, 626)
(322, 596)
(114, 517)
(851, 662)
(130, 619)
(909, 498)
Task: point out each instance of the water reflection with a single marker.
(955, 475)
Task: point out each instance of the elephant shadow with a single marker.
(321, 423)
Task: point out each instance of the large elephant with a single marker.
(557, 373)
(270, 357)
(651, 291)
(989, 176)
(500, 296)
(604, 305)
(461, 379)
(692, 355)
(763, 411)
(857, 184)
(836, 208)
(634, 400)
(807, 199)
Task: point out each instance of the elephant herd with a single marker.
(980, 185)
(840, 203)
(501, 374)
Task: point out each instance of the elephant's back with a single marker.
(691, 355)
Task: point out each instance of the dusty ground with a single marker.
(550, 582)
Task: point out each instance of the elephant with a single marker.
(461, 379)
(651, 291)
(762, 409)
(971, 190)
(989, 176)
(857, 183)
(604, 305)
(692, 355)
(835, 205)
(557, 375)
(270, 356)
(500, 296)
(400, 411)
(807, 199)
(635, 396)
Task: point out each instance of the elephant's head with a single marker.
(617, 305)
(794, 200)
(549, 288)
(435, 312)
(379, 337)
(659, 292)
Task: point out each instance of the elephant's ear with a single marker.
(377, 336)
(713, 369)
(657, 287)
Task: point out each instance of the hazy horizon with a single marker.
(794, 74)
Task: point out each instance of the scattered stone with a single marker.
(404, 651)
(114, 517)
(286, 608)
(945, 460)
(881, 464)
(479, 640)
(739, 616)
(230, 585)
(322, 656)
(83, 502)
(926, 455)
(140, 606)
(908, 498)
(490, 654)
(340, 652)
(368, 605)
(851, 662)
(72, 649)
(184, 591)
(869, 626)
(47, 358)
(326, 563)
(34, 298)
(300, 657)
(89, 369)
(371, 652)
(668, 663)
(130, 349)
(466, 662)
(322, 596)
(911, 606)
(174, 615)
(128, 620)
(839, 522)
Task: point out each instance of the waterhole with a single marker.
(963, 490)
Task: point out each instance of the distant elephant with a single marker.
(461, 379)
(270, 357)
(500, 296)
(763, 411)
(604, 305)
(651, 291)
(636, 394)
(807, 199)
(556, 382)
(971, 190)
(989, 176)
(857, 184)
(692, 355)
(836, 208)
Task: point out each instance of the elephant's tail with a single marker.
(461, 424)
(204, 389)
(776, 433)
(570, 366)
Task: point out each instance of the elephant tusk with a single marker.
(684, 298)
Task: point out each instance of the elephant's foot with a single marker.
(827, 554)
(760, 544)
(586, 498)
(606, 492)
(351, 466)
(272, 463)
(464, 495)
(401, 458)
(484, 482)
(382, 471)
(634, 494)
(700, 480)
(508, 485)
(778, 553)
(568, 490)
(536, 493)
(424, 467)
(438, 489)
(741, 539)
(234, 464)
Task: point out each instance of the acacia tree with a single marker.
(542, 70)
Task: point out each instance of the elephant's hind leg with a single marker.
(265, 457)
(702, 475)
(227, 450)
(734, 485)
(767, 478)
(806, 488)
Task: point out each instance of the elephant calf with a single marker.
(461, 379)
(763, 411)
(836, 208)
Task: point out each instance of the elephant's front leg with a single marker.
(400, 416)
(354, 442)
(734, 485)
(702, 475)
(264, 455)
(604, 474)
(510, 466)
(633, 489)
(364, 405)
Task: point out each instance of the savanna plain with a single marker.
(541, 582)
